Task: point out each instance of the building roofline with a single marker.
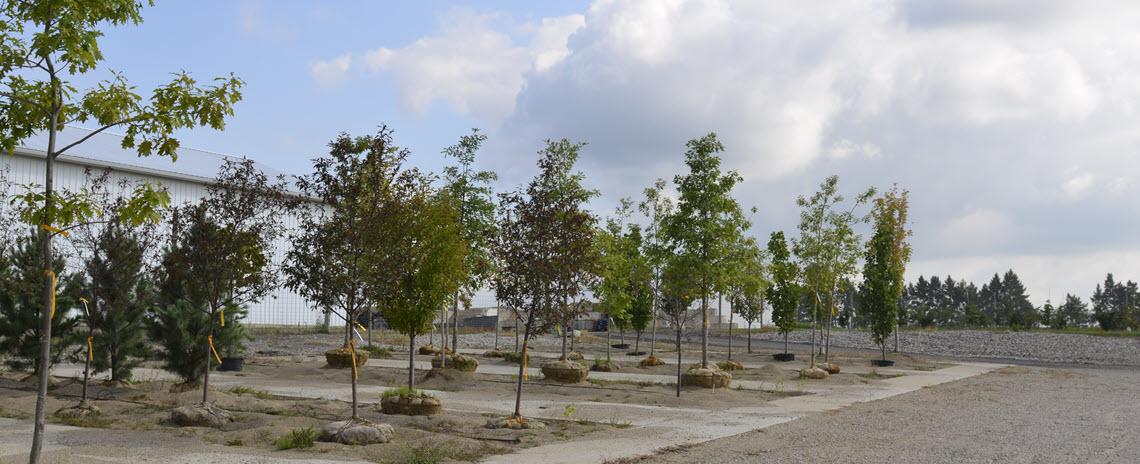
(127, 168)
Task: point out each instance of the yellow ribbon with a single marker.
(360, 327)
(222, 317)
(54, 230)
(352, 354)
(90, 355)
(210, 338)
(51, 274)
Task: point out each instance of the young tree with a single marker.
(679, 289)
(657, 208)
(884, 267)
(120, 296)
(48, 43)
(20, 330)
(749, 286)
(223, 257)
(471, 190)
(1074, 313)
(707, 221)
(1114, 304)
(421, 247)
(640, 285)
(829, 249)
(546, 246)
(784, 293)
(613, 288)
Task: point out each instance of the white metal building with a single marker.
(186, 180)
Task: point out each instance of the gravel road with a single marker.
(1015, 415)
(1030, 346)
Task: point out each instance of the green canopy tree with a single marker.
(884, 266)
(613, 288)
(423, 249)
(546, 246)
(640, 285)
(44, 45)
(707, 221)
(784, 293)
(657, 207)
(679, 289)
(223, 257)
(472, 192)
(749, 286)
(829, 249)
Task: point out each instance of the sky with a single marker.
(1012, 123)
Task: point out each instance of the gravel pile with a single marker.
(1032, 346)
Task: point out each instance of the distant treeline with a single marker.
(1003, 302)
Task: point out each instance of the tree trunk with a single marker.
(749, 337)
(412, 361)
(44, 364)
(328, 321)
(896, 337)
(705, 330)
(678, 360)
(455, 333)
(355, 369)
(522, 372)
(371, 316)
(516, 334)
(653, 338)
(719, 303)
(498, 322)
(785, 343)
(443, 337)
(637, 343)
(564, 334)
(814, 317)
(87, 365)
(830, 314)
(609, 343)
(209, 360)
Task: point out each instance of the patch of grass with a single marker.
(7, 413)
(620, 424)
(234, 442)
(244, 390)
(377, 351)
(298, 439)
(423, 454)
(90, 422)
(637, 383)
(404, 391)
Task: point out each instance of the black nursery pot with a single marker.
(882, 362)
(231, 364)
(636, 353)
(621, 346)
(784, 357)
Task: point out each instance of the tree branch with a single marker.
(94, 133)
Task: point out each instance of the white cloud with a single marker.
(978, 230)
(846, 148)
(257, 22)
(1077, 185)
(469, 64)
(332, 71)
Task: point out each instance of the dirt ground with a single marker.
(1014, 415)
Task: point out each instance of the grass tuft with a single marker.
(298, 439)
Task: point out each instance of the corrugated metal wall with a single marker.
(282, 307)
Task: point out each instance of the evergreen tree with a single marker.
(21, 306)
(784, 293)
(1074, 313)
(120, 297)
(1114, 304)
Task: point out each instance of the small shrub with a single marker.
(298, 438)
(515, 357)
(234, 442)
(424, 454)
(244, 390)
(378, 351)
